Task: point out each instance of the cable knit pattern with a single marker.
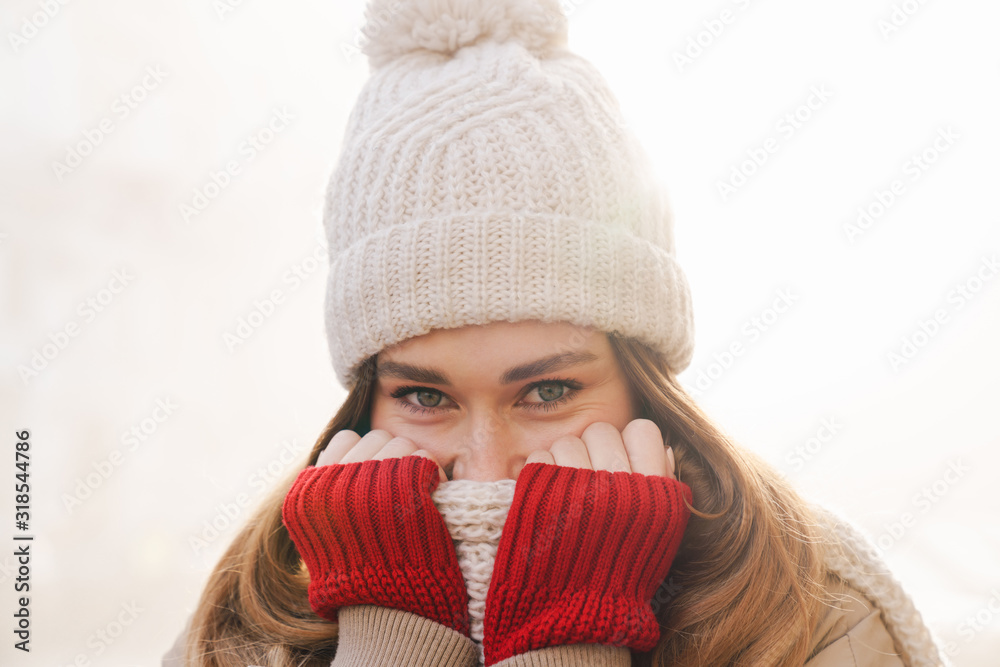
(487, 174)
(474, 513)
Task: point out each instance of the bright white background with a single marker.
(122, 558)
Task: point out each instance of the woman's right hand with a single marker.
(369, 533)
(349, 447)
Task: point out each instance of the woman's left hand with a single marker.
(592, 530)
(639, 447)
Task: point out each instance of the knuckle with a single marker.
(566, 443)
(401, 443)
(344, 436)
(642, 428)
(620, 464)
(600, 427)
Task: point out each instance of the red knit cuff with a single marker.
(580, 556)
(369, 533)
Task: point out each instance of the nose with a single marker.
(489, 451)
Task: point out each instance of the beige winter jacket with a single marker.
(850, 634)
(871, 623)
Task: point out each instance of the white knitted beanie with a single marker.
(486, 174)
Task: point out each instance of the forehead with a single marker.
(500, 341)
(496, 355)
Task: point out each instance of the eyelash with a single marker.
(573, 386)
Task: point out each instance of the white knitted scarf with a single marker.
(475, 513)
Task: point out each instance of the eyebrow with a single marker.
(414, 373)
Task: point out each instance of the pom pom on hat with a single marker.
(395, 28)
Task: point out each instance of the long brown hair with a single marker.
(745, 588)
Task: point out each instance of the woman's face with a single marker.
(481, 398)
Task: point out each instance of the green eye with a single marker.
(551, 391)
(551, 394)
(428, 398)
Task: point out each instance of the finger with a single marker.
(540, 456)
(339, 444)
(570, 451)
(604, 444)
(427, 455)
(367, 447)
(537, 456)
(325, 458)
(645, 448)
(395, 448)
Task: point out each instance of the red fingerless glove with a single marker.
(580, 556)
(369, 533)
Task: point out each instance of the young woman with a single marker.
(507, 313)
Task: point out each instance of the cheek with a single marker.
(386, 416)
(614, 410)
(613, 405)
(376, 415)
(621, 414)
